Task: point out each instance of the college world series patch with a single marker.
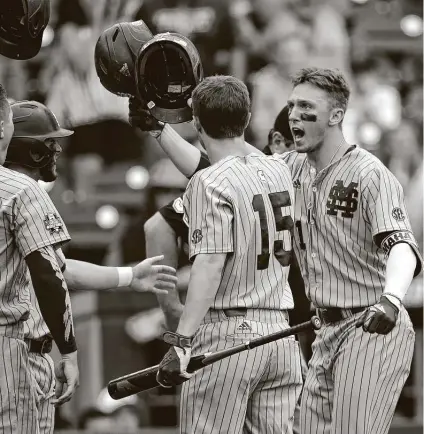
(197, 236)
(53, 223)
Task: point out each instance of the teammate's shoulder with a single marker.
(367, 163)
(17, 182)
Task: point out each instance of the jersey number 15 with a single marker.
(282, 223)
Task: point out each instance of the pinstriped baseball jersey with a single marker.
(338, 212)
(243, 206)
(28, 221)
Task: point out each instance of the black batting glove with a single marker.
(140, 117)
(173, 367)
(380, 318)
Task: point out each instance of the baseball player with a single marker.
(30, 230)
(33, 151)
(239, 216)
(357, 255)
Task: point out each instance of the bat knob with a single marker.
(316, 323)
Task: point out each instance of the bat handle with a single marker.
(195, 363)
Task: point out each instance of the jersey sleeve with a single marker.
(209, 213)
(383, 202)
(384, 210)
(37, 223)
(173, 213)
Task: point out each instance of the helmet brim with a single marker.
(61, 132)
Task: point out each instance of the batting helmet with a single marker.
(22, 23)
(33, 143)
(115, 54)
(168, 68)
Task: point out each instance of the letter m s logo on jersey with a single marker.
(344, 199)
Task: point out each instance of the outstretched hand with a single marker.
(149, 276)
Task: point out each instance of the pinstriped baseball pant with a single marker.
(251, 392)
(42, 368)
(355, 378)
(18, 410)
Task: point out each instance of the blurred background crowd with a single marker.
(113, 178)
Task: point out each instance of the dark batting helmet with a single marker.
(34, 142)
(22, 23)
(115, 54)
(168, 68)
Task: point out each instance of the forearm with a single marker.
(185, 156)
(84, 276)
(162, 240)
(204, 283)
(53, 297)
(400, 269)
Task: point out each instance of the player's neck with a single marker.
(220, 149)
(32, 173)
(332, 148)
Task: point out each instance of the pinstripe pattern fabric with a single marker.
(18, 410)
(243, 206)
(252, 392)
(42, 368)
(218, 205)
(341, 265)
(24, 208)
(355, 378)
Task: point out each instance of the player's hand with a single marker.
(380, 318)
(148, 276)
(67, 378)
(140, 117)
(173, 367)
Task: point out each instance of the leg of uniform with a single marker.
(18, 411)
(43, 372)
(317, 393)
(369, 372)
(272, 405)
(252, 392)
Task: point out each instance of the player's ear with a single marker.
(336, 116)
(1, 129)
(248, 119)
(197, 124)
(277, 139)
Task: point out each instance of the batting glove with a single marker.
(140, 117)
(173, 367)
(380, 318)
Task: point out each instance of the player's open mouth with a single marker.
(297, 133)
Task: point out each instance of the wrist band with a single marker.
(125, 276)
(393, 295)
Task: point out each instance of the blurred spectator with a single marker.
(401, 152)
(271, 86)
(251, 20)
(96, 421)
(205, 22)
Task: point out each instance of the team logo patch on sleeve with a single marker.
(178, 205)
(197, 236)
(398, 214)
(53, 223)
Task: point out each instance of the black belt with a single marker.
(40, 347)
(334, 314)
(236, 311)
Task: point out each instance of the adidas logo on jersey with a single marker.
(244, 326)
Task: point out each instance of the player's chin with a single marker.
(301, 145)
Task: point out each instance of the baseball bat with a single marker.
(145, 379)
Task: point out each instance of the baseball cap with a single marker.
(33, 119)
